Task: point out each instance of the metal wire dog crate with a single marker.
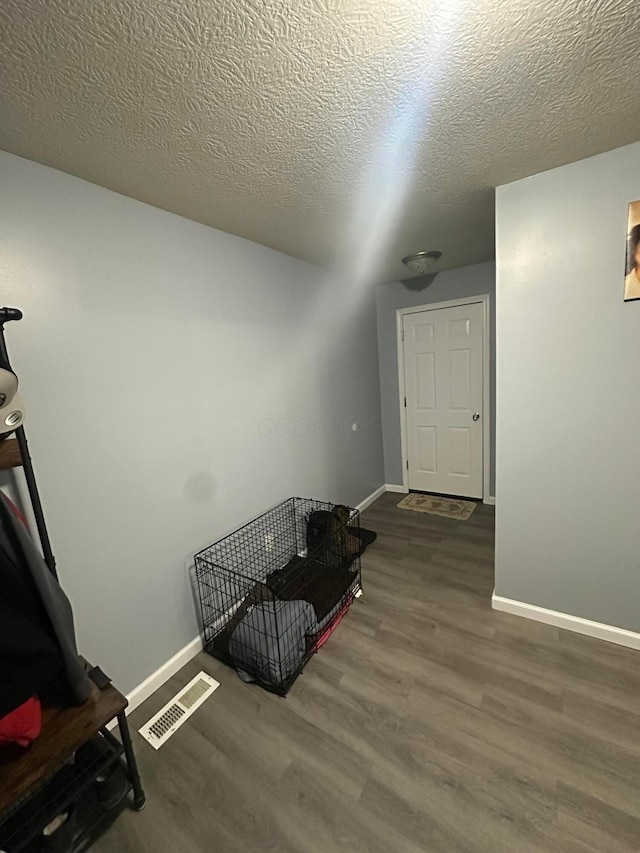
(273, 591)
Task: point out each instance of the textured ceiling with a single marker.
(339, 131)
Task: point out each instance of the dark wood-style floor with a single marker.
(427, 723)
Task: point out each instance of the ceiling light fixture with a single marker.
(422, 263)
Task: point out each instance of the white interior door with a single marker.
(443, 368)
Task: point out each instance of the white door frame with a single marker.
(484, 300)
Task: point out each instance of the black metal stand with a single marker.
(6, 315)
(132, 765)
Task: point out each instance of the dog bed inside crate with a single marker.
(272, 592)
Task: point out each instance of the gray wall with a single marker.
(178, 381)
(451, 284)
(568, 468)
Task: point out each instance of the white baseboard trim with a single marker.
(380, 491)
(490, 501)
(142, 692)
(399, 489)
(372, 497)
(609, 633)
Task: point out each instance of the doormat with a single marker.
(446, 507)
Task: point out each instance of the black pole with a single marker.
(7, 314)
(36, 503)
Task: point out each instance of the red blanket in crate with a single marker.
(323, 636)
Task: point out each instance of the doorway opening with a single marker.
(444, 382)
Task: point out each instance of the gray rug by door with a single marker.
(447, 507)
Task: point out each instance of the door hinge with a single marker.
(407, 464)
(403, 334)
(405, 402)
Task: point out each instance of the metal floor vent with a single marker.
(180, 708)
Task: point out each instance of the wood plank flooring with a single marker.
(429, 723)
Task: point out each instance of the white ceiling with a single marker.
(339, 131)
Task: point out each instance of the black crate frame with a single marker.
(242, 567)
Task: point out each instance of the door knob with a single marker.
(476, 416)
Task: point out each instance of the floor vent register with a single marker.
(169, 719)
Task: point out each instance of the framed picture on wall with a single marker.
(632, 269)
